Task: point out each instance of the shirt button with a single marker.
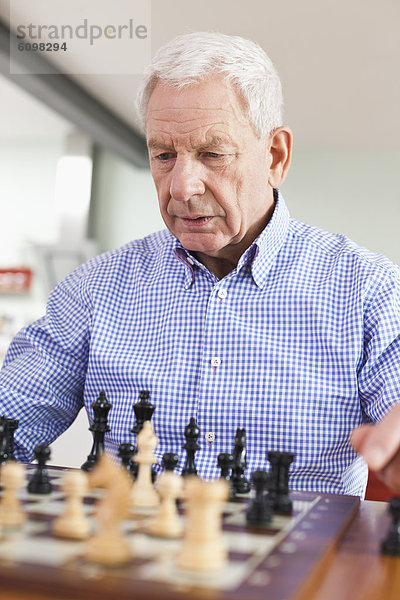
(215, 362)
(210, 436)
(222, 293)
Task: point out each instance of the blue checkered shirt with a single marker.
(299, 344)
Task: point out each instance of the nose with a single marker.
(186, 180)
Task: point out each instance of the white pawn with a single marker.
(109, 545)
(203, 547)
(12, 477)
(73, 523)
(143, 492)
(167, 522)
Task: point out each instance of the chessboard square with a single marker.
(41, 552)
(244, 542)
(40, 498)
(155, 548)
(56, 475)
(166, 571)
(54, 509)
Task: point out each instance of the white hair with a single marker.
(191, 58)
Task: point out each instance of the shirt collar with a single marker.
(189, 261)
(270, 241)
(260, 255)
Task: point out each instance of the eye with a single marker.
(213, 155)
(164, 156)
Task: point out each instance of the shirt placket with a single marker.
(214, 353)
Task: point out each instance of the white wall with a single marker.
(27, 180)
(354, 193)
(124, 202)
(28, 215)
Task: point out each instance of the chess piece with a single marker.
(7, 429)
(3, 440)
(170, 461)
(13, 477)
(279, 483)
(40, 482)
(126, 452)
(240, 484)
(391, 544)
(143, 492)
(99, 428)
(108, 546)
(191, 446)
(73, 524)
(12, 426)
(203, 547)
(225, 462)
(143, 410)
(260, 512)
(167, 522)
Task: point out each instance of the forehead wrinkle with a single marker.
(182, 122)
(231, 111)
(193, 108)
(211, 136)
(208, 140)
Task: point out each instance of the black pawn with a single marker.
(143, 410)
(191, 446)
(125, 452)
(99, 427)
(279, 487)
(12, 426)
(40, 483)
(391, 544)
(4, 446)
(260, 512)
(225, 462)
(170, 461)
(240, 484)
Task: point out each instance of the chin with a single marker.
(197, 246)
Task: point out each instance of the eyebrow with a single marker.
(156, 145)
(214, 142)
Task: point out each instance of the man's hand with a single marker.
(380, 447)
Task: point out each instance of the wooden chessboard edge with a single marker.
(311, 583)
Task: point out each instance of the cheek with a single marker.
(163, 194)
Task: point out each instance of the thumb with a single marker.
(379, 443)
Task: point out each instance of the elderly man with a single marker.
(236, 314)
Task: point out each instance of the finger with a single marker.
(380, 443)
(391, 475)
(358, 437)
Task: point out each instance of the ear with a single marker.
(280, 148)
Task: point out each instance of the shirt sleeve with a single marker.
(43, 376)
(379, 379)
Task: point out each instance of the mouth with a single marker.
(196, 221)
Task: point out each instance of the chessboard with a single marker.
(273, 563)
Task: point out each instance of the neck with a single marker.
(219, 266)
(227, 259)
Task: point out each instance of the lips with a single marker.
(196, 220)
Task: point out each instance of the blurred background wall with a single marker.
(339, 64)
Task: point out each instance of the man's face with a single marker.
(209, 168)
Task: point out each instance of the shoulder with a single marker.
(105, 269)
(341, 251)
